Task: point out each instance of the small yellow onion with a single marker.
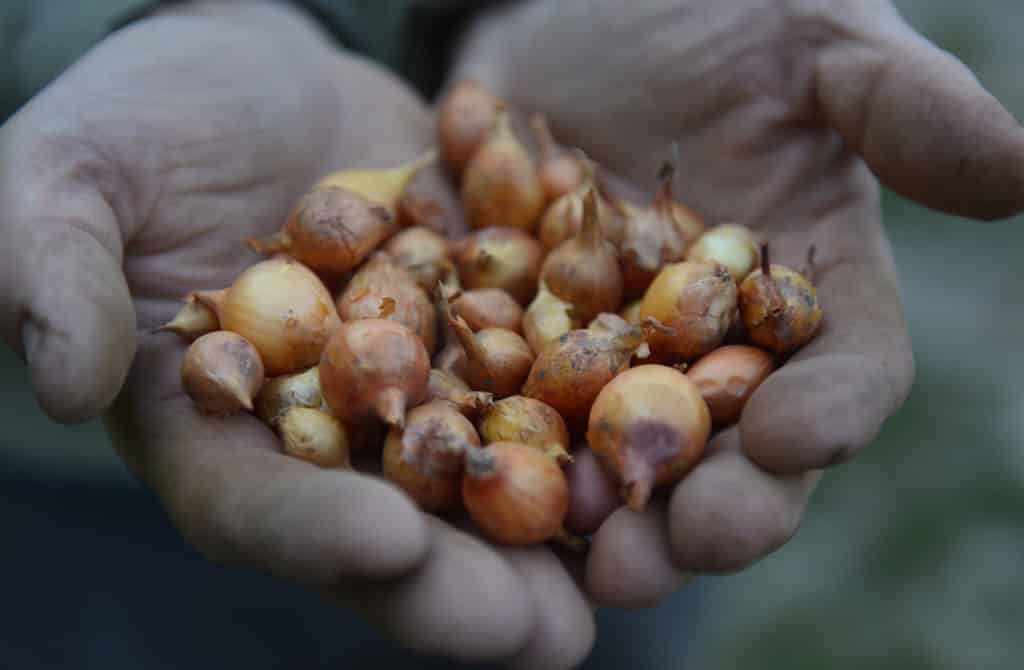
(504, 258)
(314, 436)
(464, 116)
(651, 238)
(338, 222)
(584, 270)
(728, 376)
(527, 421)
(374, 368)
(222, 372)
(779, 308)
(570, 372)
(282, 308)
(514, 493)
(422, 253)
(279, 394)
(499, 184)
(488, 308)
(696, 300)
(731, 245)
(425, 459)
(648, 427)
(382, 289)
(497, 360)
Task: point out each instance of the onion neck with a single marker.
(213, 300)
(390, 406)
(279, 242)
(590, 237)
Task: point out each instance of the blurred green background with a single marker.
(908, 557)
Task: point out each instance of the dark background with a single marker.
(909, 557)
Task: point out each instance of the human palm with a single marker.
(782, 112)
(158, 155)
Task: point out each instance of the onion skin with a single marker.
(379, 280)
(584, 271)
(499, 184)
(570, 372)
(425, 459)
(648, 427)
(489, 308)
(464, 116)
(222, 372)
(546, 319)
(514, 493)
(448, 387)
(728, 376)
(314, 436)
(282, 308)
(728, 244)
(504, 258)
(696, 300)
(422, 253)
(527, 421)
(374, 368)
(280, 394)
(780, 311)
(192, 321)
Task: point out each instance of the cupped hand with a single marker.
(786, 115)
(135, 178)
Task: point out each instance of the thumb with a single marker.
(64, 304)
(918, 117)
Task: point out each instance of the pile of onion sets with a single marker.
(470, 370)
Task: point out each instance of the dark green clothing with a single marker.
(41, 38)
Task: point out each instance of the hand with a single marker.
(782, 112)
(137, 177)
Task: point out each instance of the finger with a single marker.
(233, 494)
(630, 562)
(831, 398)
(920, 119)
(728, 513)
(564, 628)
(592, 493)
(463, 603)
(64, 303)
